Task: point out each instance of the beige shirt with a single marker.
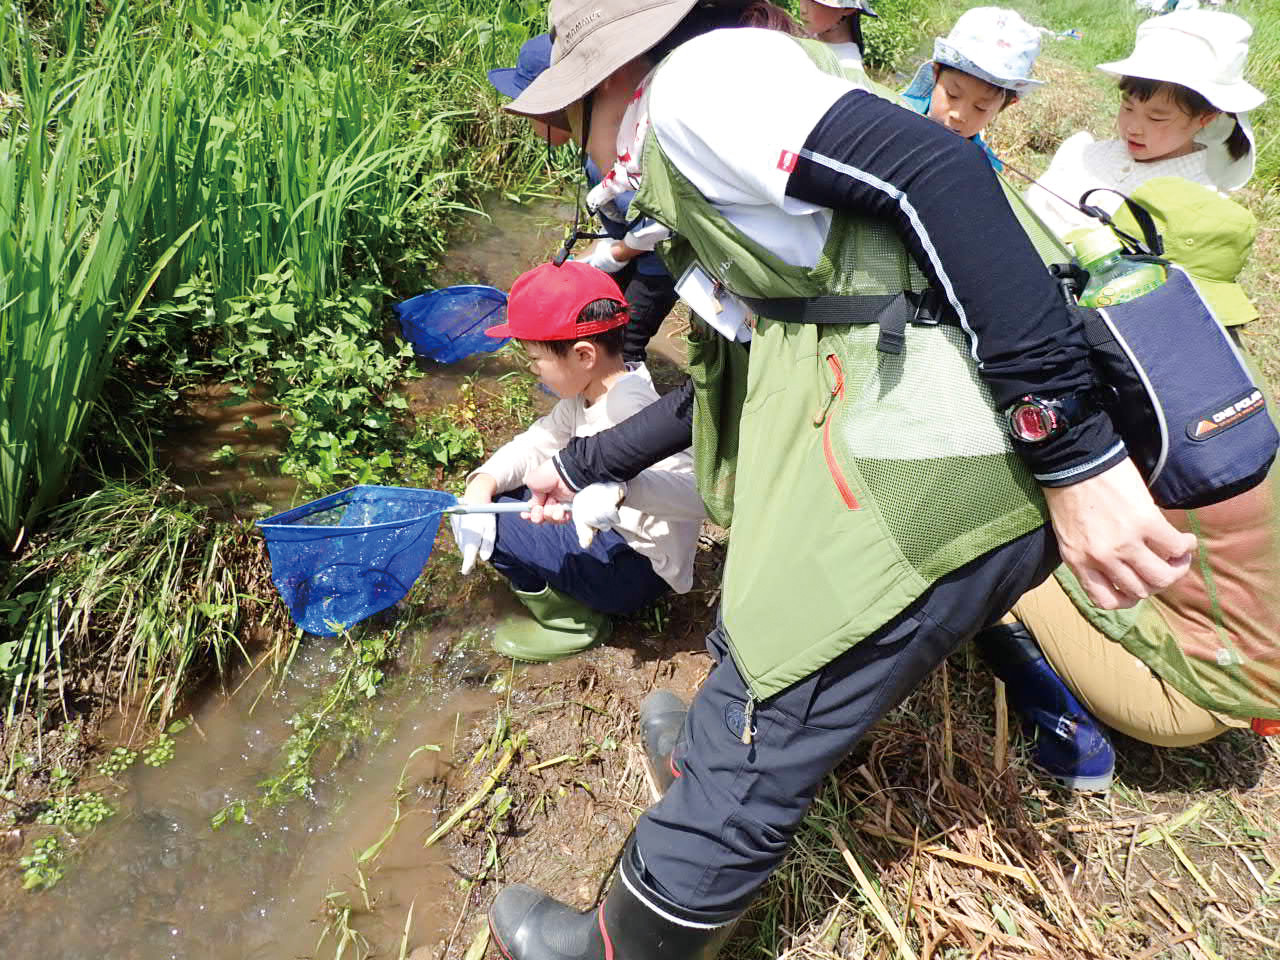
(1083, 163)
(662, 513)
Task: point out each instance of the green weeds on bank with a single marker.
(152, 587)
(226, 189)
(272, 160)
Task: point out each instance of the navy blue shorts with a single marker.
(608, 576)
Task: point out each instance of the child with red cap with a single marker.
(629, 543)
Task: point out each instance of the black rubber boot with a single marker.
(661, 729)
(633, 923)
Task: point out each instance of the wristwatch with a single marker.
(1034, 419)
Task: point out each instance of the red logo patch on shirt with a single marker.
(787, 161)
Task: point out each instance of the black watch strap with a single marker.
(1035, 419)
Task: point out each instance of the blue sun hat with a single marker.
(535, 57)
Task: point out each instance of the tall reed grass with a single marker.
(215, 141)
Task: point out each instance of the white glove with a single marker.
(595, 507)
(601, 256)
(645, 235)
(602, 199)
(474, 534)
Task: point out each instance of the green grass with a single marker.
(194, 189)
(133, 585)
(221, 143)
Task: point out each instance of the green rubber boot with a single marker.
(560, 627)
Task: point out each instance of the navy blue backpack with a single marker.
(1180, 394)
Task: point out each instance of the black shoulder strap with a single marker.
(1151, 244)
(892, 311)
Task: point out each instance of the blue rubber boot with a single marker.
(1071, 746)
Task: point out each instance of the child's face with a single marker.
(819, 18)
(963, 103)
(1158, 129)
(565, 376)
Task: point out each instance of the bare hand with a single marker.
(548, 493)
(1114, 538)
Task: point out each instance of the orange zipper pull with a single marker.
(836, 390)
(825, 408)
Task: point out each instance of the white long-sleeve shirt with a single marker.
(662, 513)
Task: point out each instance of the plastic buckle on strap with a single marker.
(892, 321)
(1265, 728)
(928, 309)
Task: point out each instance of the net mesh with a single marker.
(344, 557)
(864, 256)
(915, 453)
(447, 325)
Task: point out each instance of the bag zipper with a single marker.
(823, 418)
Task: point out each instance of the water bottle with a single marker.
(1112, 278)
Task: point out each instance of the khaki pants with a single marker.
(1115, 686)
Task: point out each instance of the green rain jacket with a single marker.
(848, 496)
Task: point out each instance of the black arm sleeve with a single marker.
(619, 453)
(872, 157)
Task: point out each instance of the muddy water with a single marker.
(156, 881)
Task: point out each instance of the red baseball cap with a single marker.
(544, 303)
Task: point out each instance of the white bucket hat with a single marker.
(1201, 49)
(858, 6)
(992, 44)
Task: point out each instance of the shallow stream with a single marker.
(156, 880)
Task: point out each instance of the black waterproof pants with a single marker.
(650, 298)
(726, 822)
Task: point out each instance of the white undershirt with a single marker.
(732, 108)
(849, 53)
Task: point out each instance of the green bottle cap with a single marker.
(1094, 243)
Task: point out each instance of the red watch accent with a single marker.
(1032, 420)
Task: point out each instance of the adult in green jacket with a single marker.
(883, 511)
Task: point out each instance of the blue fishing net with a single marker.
(346, 556)
(450, 324)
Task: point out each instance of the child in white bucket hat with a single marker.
(982, 66)
(1184, 113)
(838, 23)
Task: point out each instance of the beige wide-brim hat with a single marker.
(1201, 49)
(590, 40)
